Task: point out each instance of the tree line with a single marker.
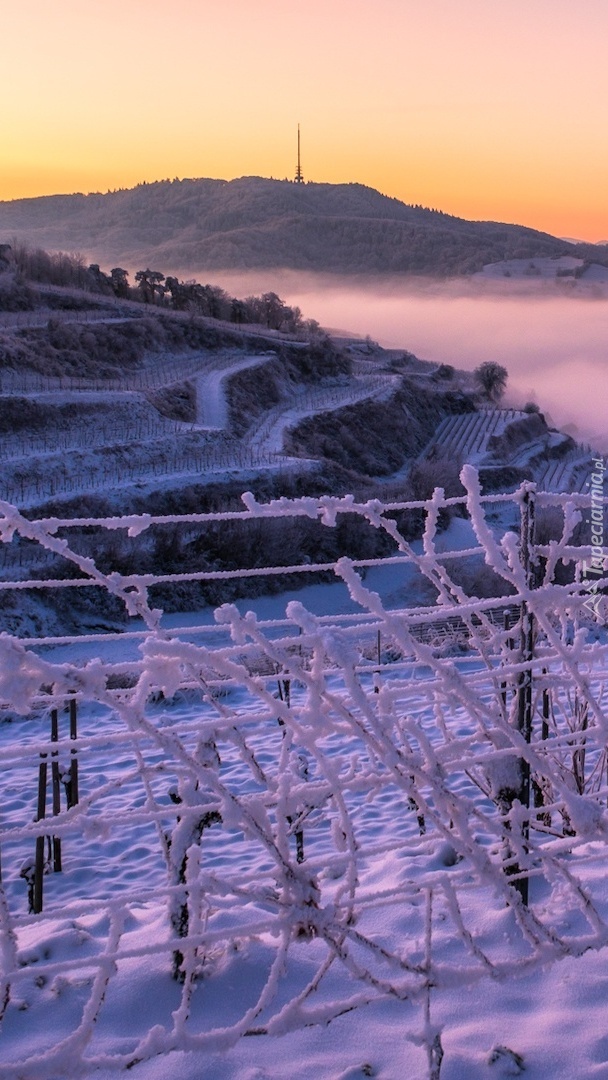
(153, 288)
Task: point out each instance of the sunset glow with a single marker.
(484, 110)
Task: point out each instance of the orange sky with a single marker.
(482, 108)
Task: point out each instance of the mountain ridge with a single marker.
(254, 222)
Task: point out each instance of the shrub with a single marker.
(492, 378)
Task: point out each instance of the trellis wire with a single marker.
(260, 801)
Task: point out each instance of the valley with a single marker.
(109, 407)
(270, 591)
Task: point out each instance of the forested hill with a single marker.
(254, 222)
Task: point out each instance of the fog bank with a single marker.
(554, 345)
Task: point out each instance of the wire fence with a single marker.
(171, 462)
(135, 452)
(157, 373)
(323, 810)
(17, 320)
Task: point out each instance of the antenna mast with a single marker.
(299, 174)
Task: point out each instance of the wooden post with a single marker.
(37, 896)
(581, 715)
(55, 782)
(284, 687)
(73, 782)
(377, 672)
(546, 713)
(524, 709)
(524, 690)
(539, 793)
(509, 645)
(299, 835)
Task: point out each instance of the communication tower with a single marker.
(299, 179)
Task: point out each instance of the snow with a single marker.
(305, 831)
(211, 403)
(140, 447)
(542, 267)
(268, 435)
(562, 269)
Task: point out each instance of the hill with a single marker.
(259, 223)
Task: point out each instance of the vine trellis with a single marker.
(329, 800)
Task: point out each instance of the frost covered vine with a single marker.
(276, 795)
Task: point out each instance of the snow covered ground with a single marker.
(466, 438)
(136, 445)
(268, 435)
(549, 268)
(351, 914)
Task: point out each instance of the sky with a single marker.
(481, 108)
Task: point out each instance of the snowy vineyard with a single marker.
(160, 371)
(142, 446)
(299, 816)
(467, 438)
(184, 454)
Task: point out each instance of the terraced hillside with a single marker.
(499, 439)
(169, 409)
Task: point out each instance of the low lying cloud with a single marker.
(554, 345)
(555, 349)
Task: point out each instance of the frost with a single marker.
(508, 1062)
(585, 814)
(21, 674)
(330, 812)
(137, 526)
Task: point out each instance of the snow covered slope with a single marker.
(280, 834)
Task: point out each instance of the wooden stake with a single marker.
(39, 859)
(73, 782)
(55, 785)
(539, 793)
(524, 691)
